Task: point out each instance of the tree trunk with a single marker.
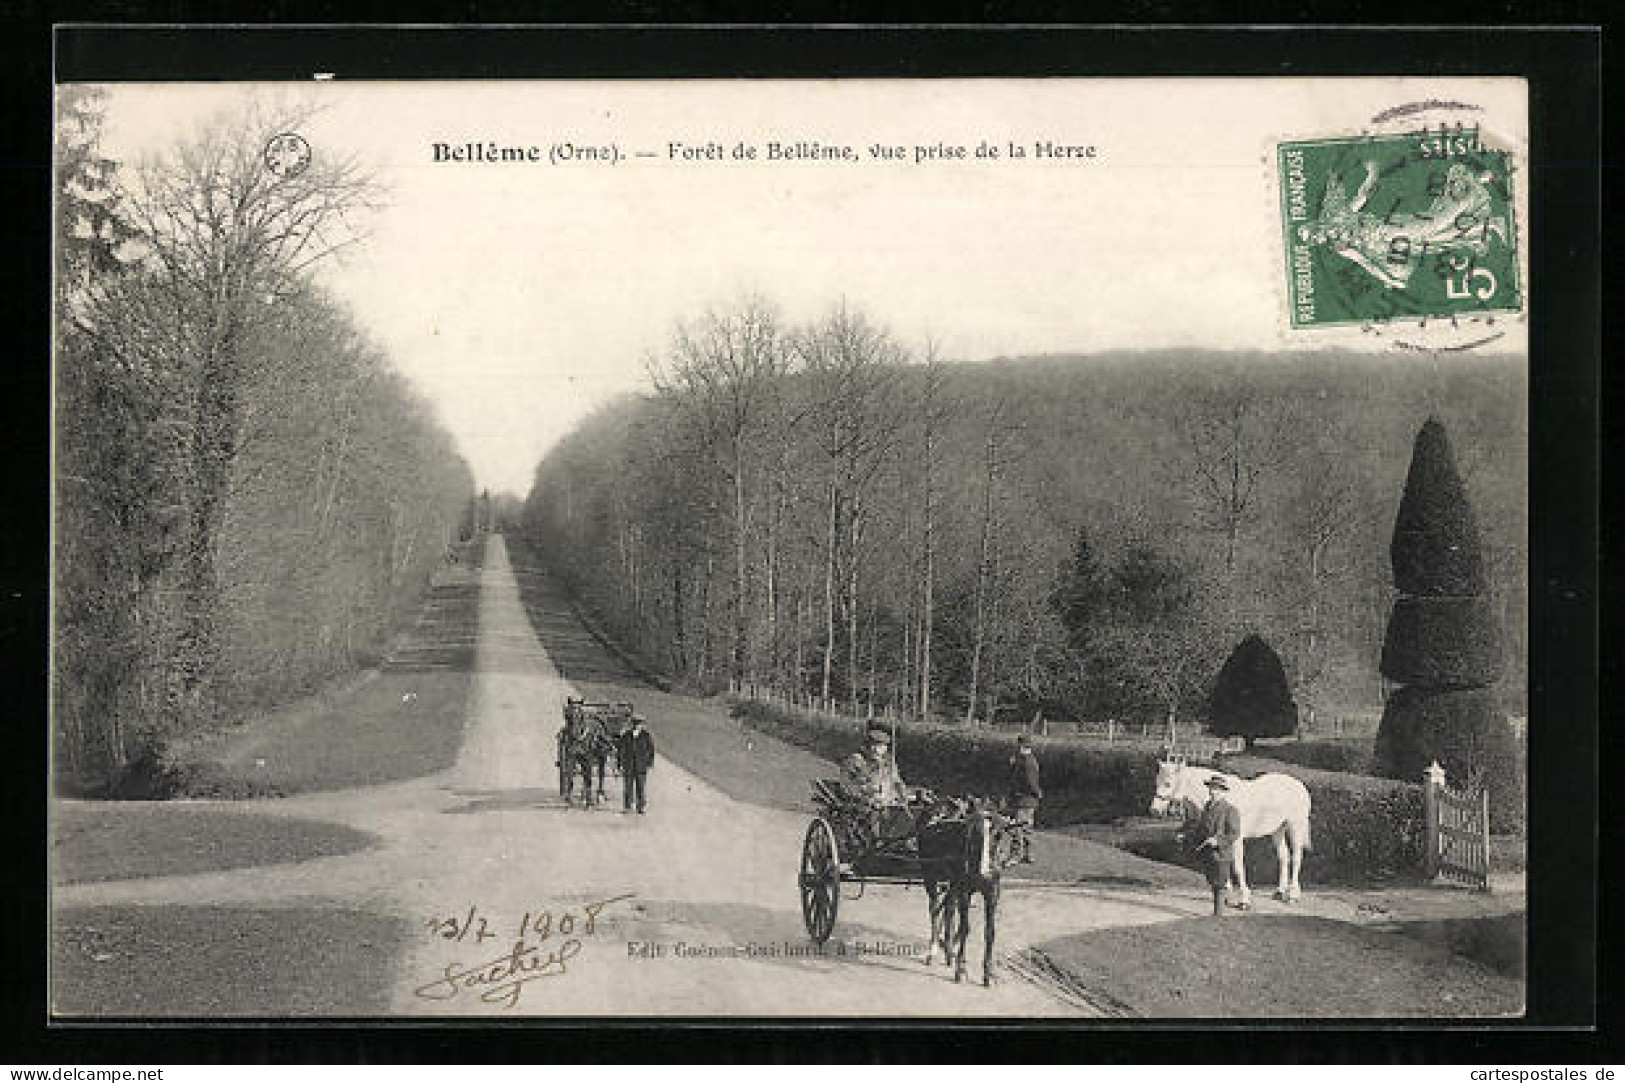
(829, 596)
(737, 653)
(979, 629)
(874, 660)
(771, 611)
(798, 682)
(707, 616)
(854, 682)
(679, 633)
(901, 686)
(927, 609)
(1308, 666)
(213, 450)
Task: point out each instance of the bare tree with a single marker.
(852, 370)
(1231, 442)
(1324, 512)
(934, 411)
(787, 416)
(725, 372)
(229, 237)
(997, 456)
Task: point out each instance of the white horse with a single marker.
(1275, 804)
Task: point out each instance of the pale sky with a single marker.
(518, 297)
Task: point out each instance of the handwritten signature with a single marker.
(501, 979)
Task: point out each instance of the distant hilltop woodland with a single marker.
(817, 511)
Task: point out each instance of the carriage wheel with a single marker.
(820, 881)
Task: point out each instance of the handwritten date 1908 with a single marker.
(501, 979)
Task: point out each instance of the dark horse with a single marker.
(964, 849)
(584, 748)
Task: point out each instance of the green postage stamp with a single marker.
(1398, 227)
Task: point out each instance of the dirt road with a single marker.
(526, 907)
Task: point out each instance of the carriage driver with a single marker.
(1025, 793)
(872, 774)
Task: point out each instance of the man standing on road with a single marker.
(1024, 794)
(1219, 830)
(637, 756)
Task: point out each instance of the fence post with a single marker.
(1484, 837)
(1432, 782)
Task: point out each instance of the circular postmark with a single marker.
(1407, 230)
(287, 155)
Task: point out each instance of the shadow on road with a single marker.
(532, 799)
(776, 937)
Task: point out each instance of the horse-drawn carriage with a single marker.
(954, 847)
(589, 747)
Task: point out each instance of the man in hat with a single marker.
(637, 757)
(1024, 794)
(873, 775)
(1219, 829)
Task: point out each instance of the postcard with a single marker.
(846, 549)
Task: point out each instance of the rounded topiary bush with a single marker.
(1442, 643)
(1251, 697)
(1435, 548)
(1467, 732)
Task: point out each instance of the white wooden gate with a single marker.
(1458, 833)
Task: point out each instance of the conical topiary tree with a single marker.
(1435, 550)
(1443, 641)
(1251, 697)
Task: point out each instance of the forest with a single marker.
(248, 498)
(865, 525)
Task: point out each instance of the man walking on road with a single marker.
(637, 756)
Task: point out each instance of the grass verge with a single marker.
(1254, 967)
(392, 726)
(200, 961)
(1497, 941)
(99, 843)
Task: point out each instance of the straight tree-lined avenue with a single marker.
(707, 882)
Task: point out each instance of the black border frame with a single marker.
(1563, 66)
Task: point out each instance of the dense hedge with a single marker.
(1081, 784)
(1364, 829)
(1352, 757)
(1468, 733)
(1363, 832)
(1442, 643)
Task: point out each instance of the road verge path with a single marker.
(524, 907)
